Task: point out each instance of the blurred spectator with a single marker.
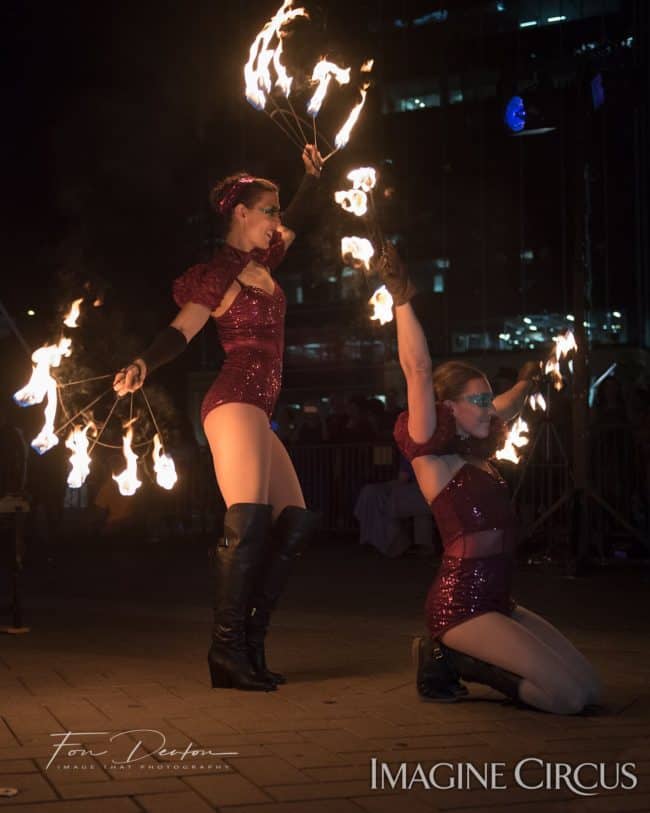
(311, 425)
(376, 413)
(394, 516)
(394, 405)
(281, 422)
(358, 428)
(337, 418)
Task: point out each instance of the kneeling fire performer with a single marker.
(453, 426)
(266, 524)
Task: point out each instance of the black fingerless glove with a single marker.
(303, 206)
(393, 273)
(167, 345)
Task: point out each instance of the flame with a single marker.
(257, 75)
(552, 369)
(537, 401)
(98, 302)
(564, 344)
(77, 442)
(46, 438)
(322, 75)
(127, 481)
(357, 251)
(352, 200)
(343, 135)
(516, 440)
(283, 81)
(364, 178)
(367, 66)
(163, 465)
(70, 319)
(382, 302)
(41, 385)
(44, 358)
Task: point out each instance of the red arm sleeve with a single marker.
(441, 442)
(204, 284)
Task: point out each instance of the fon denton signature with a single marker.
(67, 747)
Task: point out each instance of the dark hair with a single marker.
(451, 378)
(232, 191)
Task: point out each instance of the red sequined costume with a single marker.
(477, 524)
(251, 330)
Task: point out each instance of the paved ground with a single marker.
(118, 643)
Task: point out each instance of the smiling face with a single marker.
(257, 222)
(474, 408)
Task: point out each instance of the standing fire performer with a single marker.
(266, 524)
(452, 427)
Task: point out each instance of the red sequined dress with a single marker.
(251, 330)
(477, 524)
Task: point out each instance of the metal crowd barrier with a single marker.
(332, 475)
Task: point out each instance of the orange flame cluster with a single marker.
(517, 439)
(355, 200)
(266, 52)
(357, 252)
(127, 481)
(42, 385)
(564, 344)
(382, 304)
(257, 74)
(80, 460)
(163, 465)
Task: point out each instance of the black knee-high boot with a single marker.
(291, 532)
(474, 670)
(436, 679)
(238, 560)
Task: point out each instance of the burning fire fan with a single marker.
(43, 386)
(267, 80)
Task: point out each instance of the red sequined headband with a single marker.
(228, 200)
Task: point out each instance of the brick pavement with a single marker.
(118, 647)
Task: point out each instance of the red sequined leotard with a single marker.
(251, 330)
(477, 524)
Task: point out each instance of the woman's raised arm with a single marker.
(413, 350)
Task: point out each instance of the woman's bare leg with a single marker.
(573, 659)
(284, 487)
(240, 441)
(498, 639)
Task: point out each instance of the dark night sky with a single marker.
(122, 115)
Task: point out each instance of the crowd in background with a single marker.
(619, 446)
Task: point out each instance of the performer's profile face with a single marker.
(474, 408)
(262, 219)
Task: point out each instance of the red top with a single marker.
(478, 527)
(251, 330)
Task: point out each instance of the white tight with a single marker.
(250, 462)
(556, 677)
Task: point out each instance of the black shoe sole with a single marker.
(222, 678)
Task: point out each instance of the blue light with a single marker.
(433, 17)
(597, 91)
(515, 115)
